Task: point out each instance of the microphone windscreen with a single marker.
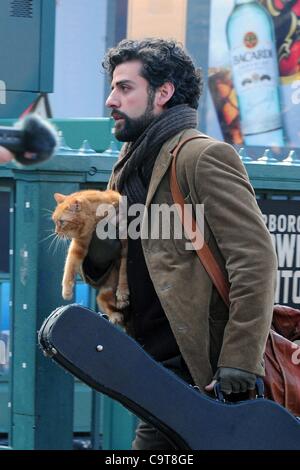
(39, 138)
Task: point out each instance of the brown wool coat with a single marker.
(211, 173)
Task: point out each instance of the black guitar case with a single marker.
(108, 360)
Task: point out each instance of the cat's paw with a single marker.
(122, 296)
(67, 293)
(116, 318)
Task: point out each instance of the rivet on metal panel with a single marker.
(85, 148)
(243, 156)
(267, 157)
(63, 147)
(291, 159)
(99, 348)
(113, 149)
(92, 171)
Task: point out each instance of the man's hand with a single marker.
(233, 380)
(5, 155)
(101, 254)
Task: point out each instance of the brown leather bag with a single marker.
(282, 356)
(282, 359)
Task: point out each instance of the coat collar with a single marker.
(161, 165)
(164, 160)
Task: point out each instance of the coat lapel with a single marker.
(161, 165)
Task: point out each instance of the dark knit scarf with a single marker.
(133, 171)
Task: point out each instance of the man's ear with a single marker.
(164, 93)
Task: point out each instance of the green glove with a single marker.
(235, 380)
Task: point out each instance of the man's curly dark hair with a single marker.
(162, 61)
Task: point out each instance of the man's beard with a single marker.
(132, 128)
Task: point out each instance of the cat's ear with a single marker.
(59, 197)
(75, 206)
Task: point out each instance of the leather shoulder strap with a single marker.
(193, 232)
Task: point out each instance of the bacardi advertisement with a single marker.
(282, 219)
(254, 72)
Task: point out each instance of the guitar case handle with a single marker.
(259, 389)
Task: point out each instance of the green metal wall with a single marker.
(37, 399)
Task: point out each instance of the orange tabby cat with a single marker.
(75, 218)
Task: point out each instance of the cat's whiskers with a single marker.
(53, 241)
(57, 244)
(65, 244)
(60, 241)
(52, 234)
(48, 214)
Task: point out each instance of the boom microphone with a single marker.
(33, 136)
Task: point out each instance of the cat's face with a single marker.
(72, 216)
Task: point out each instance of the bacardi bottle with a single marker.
(251, 41)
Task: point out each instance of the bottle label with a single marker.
(255, 73)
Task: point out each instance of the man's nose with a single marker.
(112, 100)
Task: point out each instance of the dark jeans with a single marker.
(149, 438)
